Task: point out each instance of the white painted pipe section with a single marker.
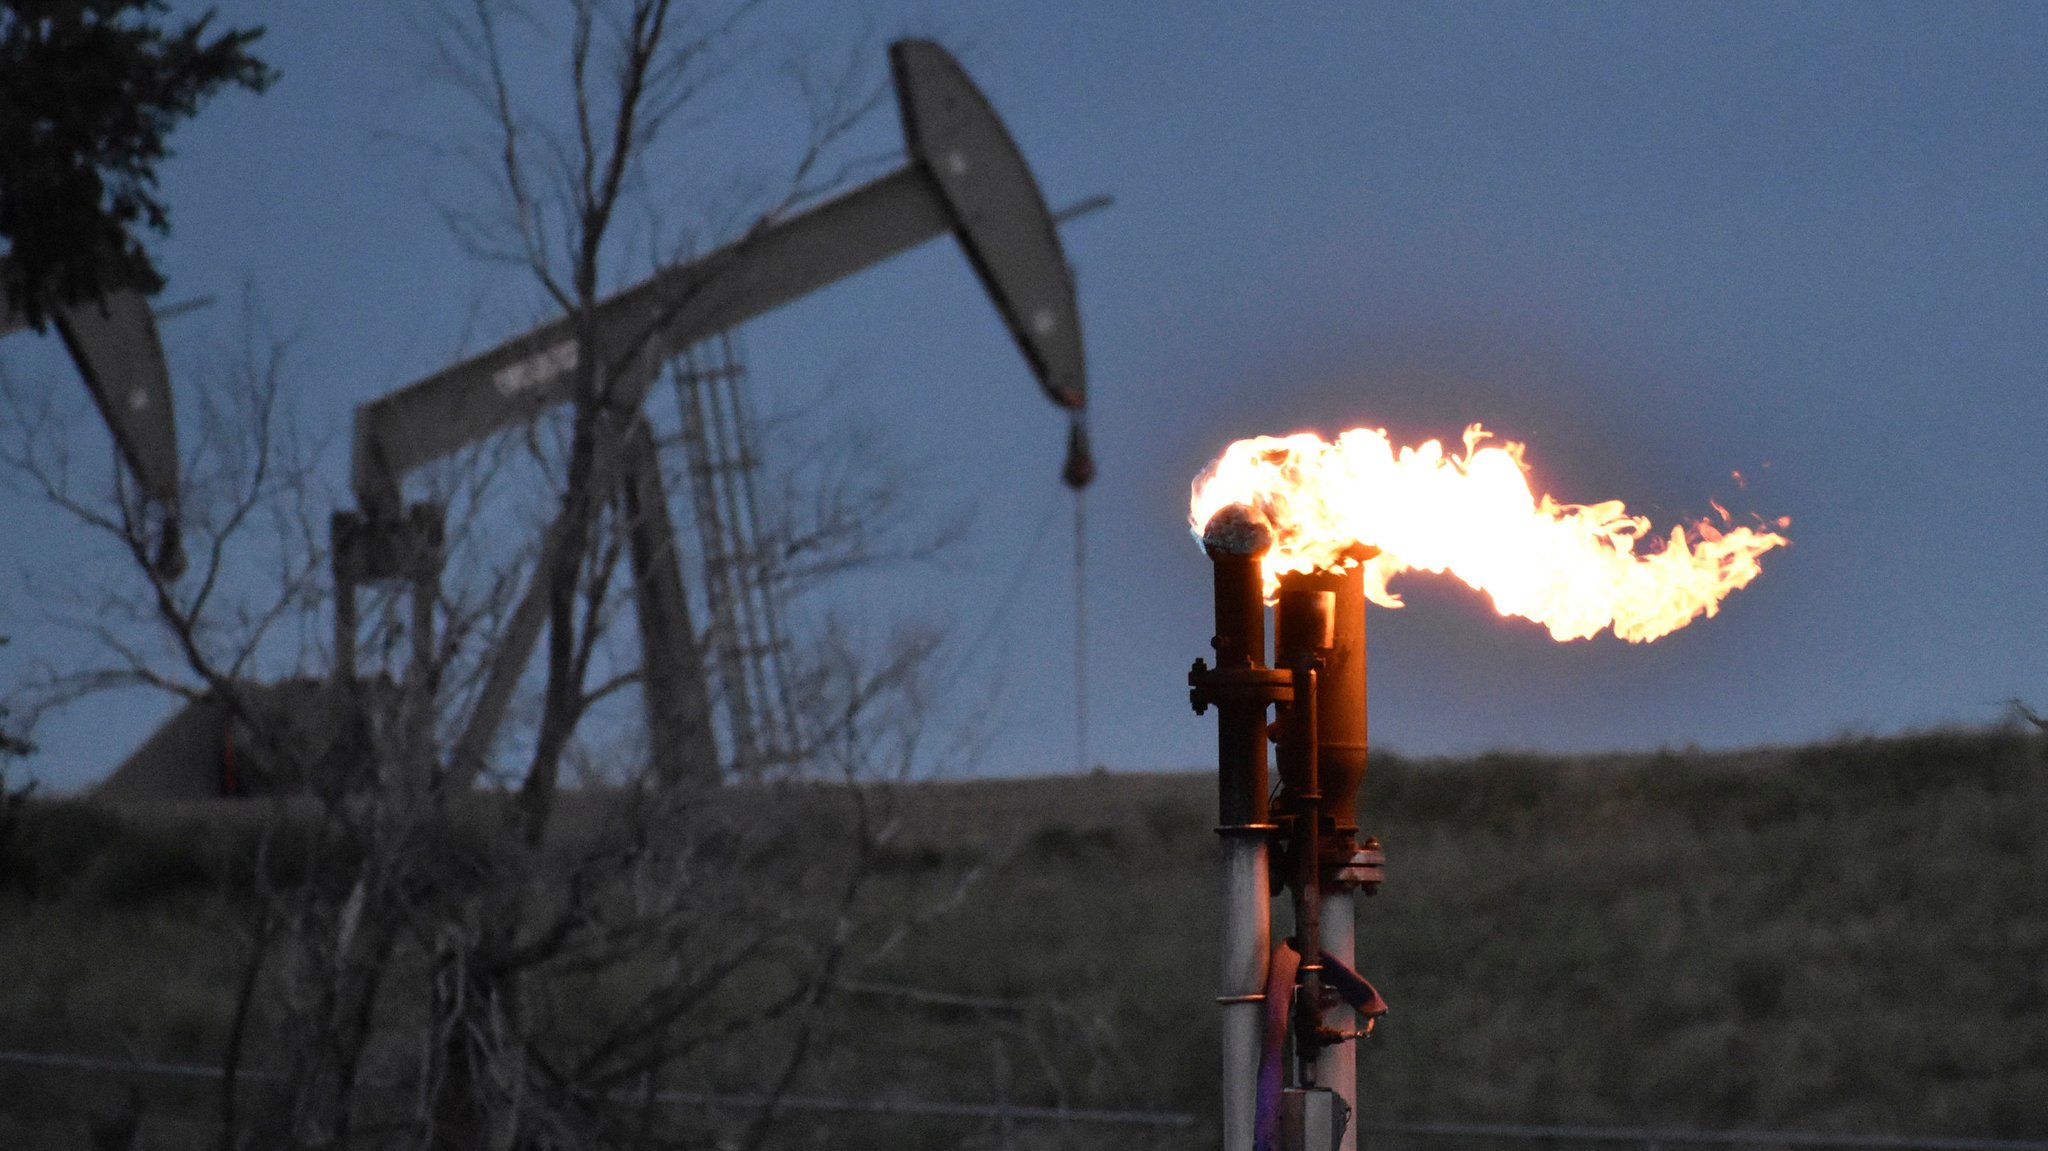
(1247, 949)
(1337, 1064)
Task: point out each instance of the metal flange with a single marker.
(1220, 685)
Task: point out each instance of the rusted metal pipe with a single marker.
(1304, 620)
(1236, 540)
(1341, 752)
(1241, 688)
(1340, 695)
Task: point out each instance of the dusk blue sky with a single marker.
(1656, 243)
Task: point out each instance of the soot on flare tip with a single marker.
(1237, 530)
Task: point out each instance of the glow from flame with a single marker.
(1577, 569)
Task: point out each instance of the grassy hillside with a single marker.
(1848, 937)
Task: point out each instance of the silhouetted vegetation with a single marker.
(1849, 937)
(89, 92)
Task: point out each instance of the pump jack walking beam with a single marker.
(964, 175)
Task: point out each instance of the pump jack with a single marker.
(964, 175)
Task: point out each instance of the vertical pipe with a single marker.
(1305, 848)
(1247, 928)
(1341, 758)
(1340, 695)
(1337, 1063)
(1304, 622)
(1236, 540)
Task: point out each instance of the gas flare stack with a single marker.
(1303, 839)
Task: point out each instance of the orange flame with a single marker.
(1574, 568)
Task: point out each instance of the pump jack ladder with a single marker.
(741, 580)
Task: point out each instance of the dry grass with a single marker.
(1847, 937)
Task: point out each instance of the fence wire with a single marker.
(1374, 1134)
